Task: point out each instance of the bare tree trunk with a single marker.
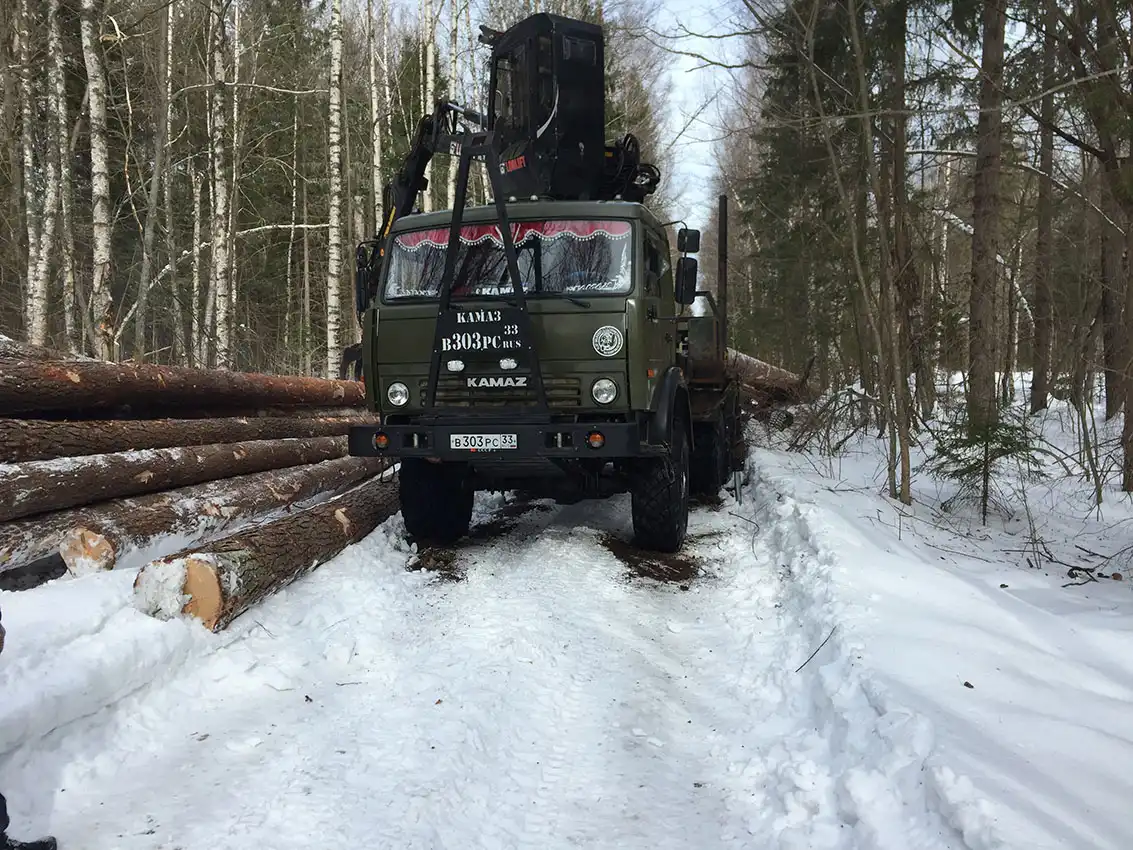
(982, 410)
(66, 188)
(181, 346)
(287, 318)
(429, 93)
(101, 320)
(1011, 328)
(909, 285)
(150, 232)
(1127, 425)
(306, 326)
(33, 208)
(37, 294)
(387, 100)
(895, 376)
(1044, 317)
(477, 102)
(234, 186)
(1113, 291)
(197, 343)
(453, 73)
(219, 194)
(9, 144)
(375, 119)
(334, 230)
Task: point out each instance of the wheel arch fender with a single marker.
(670, 398)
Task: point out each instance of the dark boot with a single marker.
(7, 843)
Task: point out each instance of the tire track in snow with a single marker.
(882, 778)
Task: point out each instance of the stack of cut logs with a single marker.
(241, 480)
(217, 487)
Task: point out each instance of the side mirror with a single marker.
(688, 241)
(685, 282)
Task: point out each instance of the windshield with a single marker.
(564, 257)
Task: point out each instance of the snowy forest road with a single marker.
(537, 687)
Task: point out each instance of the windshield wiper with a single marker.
(572, 299)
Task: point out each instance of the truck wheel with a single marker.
(710, 459)
(659, 489)
(436, 501)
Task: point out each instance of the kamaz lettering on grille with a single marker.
(509, 381)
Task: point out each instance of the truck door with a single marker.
(660, 329)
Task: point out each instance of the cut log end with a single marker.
(189, 585)
(85, 551)
(202, 586)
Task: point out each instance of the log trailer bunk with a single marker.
(542, 337)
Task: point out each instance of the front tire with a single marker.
(659, 494)
(436, 500)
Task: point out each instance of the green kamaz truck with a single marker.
(547, 337)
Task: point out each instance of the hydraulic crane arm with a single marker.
(400, 195)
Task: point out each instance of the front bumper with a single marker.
(544, 440)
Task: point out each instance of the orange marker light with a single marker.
(595, 440)
(651, 373)
(381, 442)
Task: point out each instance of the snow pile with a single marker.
(1027, 682)
(159, 587)
(78, 649)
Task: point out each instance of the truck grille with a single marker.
(454, 392)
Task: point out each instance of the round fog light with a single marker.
(604, 391)
(381, 442)
(596, 440)
(398, 394)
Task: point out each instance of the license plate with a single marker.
(482, 442)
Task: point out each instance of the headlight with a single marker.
(398, 394)
(604, 391)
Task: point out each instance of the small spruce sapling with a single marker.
(976, 459)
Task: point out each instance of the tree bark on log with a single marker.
(135, 413)
(24, 440)
(98, 543)
(27, 489)
(226, 578)
(128, 530)
(28, 386)
(762, 380)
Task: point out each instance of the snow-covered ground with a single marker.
(546, 690)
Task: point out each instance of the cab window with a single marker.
(655, 263)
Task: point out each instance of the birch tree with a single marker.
(334, 231)
(219, 295)
(375, 111)
(429, 92)
(39, 211)
(62, 144)
(453, 73)
(102, 332)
